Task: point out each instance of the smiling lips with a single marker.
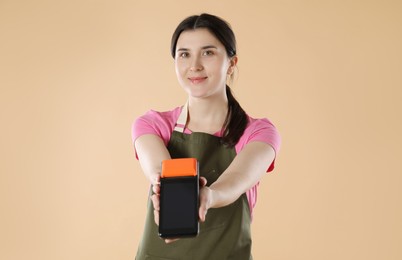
(197, 80)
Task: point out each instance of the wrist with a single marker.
(215, 198)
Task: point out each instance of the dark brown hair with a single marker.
(236, 119)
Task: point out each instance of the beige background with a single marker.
(75, 74)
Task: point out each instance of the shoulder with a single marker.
(263, 130)
(156, 117)
(256, 125)
(160, 123)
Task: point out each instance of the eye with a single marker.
(208, 53)
(184, 54)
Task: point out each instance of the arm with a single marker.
(151, 152)
(244, 172)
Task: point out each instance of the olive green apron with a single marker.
(226, 232)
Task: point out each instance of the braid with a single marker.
(235, 122)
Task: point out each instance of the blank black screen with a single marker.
(179, 206)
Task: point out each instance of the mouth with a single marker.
(197, 80)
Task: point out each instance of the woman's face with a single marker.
(202, 64)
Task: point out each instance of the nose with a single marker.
(196, 64)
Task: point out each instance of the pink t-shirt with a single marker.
(163, 123)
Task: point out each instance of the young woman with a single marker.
(234, 150)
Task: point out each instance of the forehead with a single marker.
(197, 38)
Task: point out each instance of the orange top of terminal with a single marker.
(179, 167)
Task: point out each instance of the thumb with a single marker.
(205, 196)
(202, 213)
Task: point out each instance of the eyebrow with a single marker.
(202, 48)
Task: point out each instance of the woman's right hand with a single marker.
(156, 188)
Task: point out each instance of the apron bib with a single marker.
(226, 232)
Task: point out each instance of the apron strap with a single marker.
(182, 120)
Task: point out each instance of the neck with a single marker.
(207, 115)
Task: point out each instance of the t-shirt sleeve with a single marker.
(157, 123)
(262, 130)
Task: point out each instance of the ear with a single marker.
(232, 66)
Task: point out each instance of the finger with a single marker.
(202, 213)
(156, 179)
(170, 240)
(155, 201)
(156, 188)
(203, 210)
(156, 217)
(156, 184)
(203, 181)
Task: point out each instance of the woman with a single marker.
(234, 150)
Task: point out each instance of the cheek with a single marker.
(179, 68)
(220, 67)
(223, 69)
(181, 73)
